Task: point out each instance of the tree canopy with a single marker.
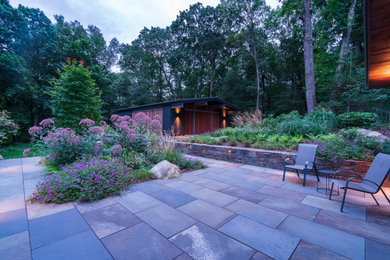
(242, 51)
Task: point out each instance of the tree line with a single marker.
(241, 50)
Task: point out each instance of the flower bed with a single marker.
(96, 161)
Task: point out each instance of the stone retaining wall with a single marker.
(267, 158)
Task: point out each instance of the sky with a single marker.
(123, 19)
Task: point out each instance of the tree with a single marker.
(246, 18)
(308, 53)
(75, 95)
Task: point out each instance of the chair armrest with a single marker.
(350, 179)
(288, 159)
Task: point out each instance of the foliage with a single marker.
(8, 127)
(358, 119)
(173, 156)
(88, 179)
(16, 151)
(347, 144)
(75, 95)
(204, 51)
(320, 121)
(253, 119)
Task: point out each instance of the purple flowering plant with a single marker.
(87, 179)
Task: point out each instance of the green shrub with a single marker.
(261, 137)
(75, 95)
(232, 140)
(173, 156)
(143, 174)
(346, 146)
(323, 117)
(8, 127)
(318, 122)
(358, 119)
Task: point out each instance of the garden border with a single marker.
(267, 158)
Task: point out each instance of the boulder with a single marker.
(165, 170)
(373, 134)
(1, 157)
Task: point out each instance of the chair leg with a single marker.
(385, 195)
(315, 169)
(331, 191)
(297, 173)
(342, 203)
(284, 172)
(374, 199)
(304, 177)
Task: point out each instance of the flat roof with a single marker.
(175, 103)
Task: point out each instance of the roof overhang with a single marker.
(215, 101)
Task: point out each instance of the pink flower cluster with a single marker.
(26, 151)
(117, 119)
(117, 150)
(46, 122)
(96, 130)
(156, 127)
(142, 120)
(35, 130)
(86, 121)
(60, 135)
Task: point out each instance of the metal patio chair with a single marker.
(372, 181)
(305, 161)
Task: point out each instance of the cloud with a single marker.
(123, 19)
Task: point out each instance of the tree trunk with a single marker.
(308, 57)
(344, 46)
(212, 78)
(262, 92)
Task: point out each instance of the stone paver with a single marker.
(332, 239)
(172, 197)
(270, 241)
(379, 215)
(90, 206)
(202, 242)
(354, 226)
(290, 207)
(244, 194)
(140, 242)
(306, 250)
(227, 210)
(211, 184)
(15, 247)
(258, 213)
(12, 222)
(137, 201)
(202, 211)
(110, 219)
(45, 230)
(376, 250)
(283, 194)
(214, 197)
(80, 246)
(335, 206)
(184, 186)
(166, 220)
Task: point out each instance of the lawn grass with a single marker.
(16, 151)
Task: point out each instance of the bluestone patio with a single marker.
(225, 211)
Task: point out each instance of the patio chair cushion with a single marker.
(363, 186)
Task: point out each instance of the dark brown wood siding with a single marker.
(378, 37)
(153, 114)
(201, 119)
